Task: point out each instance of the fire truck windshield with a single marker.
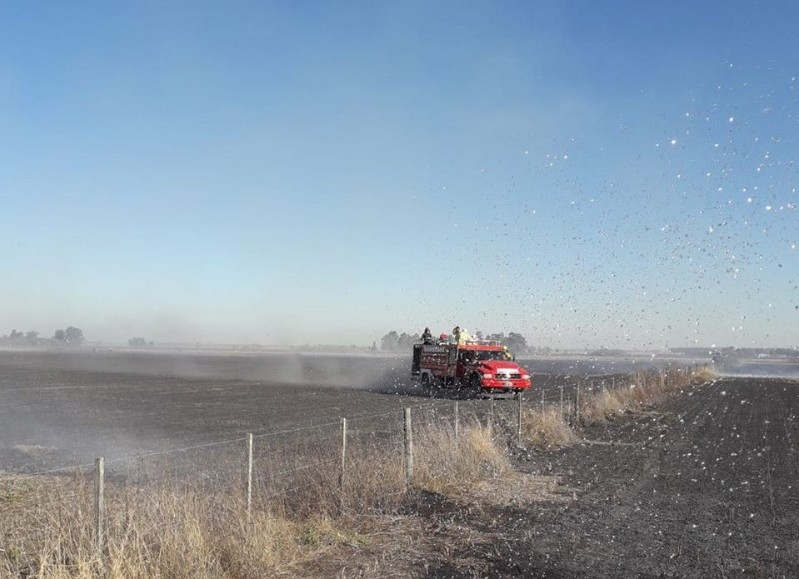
(490, 355)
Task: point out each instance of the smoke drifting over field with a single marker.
(63, 408)
(760, 369)
(337, 370)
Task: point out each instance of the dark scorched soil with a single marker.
(703, 486)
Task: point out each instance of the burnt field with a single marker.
(703, 485)
(61, 408)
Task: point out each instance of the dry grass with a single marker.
(546, 429)
(172, 530)
(164, 532)
(645, 390)
(445, 470)
(703, 375)
(607, 405)
(550, 429)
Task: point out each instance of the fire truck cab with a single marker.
(484, 366)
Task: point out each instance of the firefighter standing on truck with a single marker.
(427, 336)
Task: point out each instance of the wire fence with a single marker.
(363, 464)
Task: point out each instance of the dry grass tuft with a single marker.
(442, 469)
(546, 429)
(703, 375)
(606, 405)
(375, 484)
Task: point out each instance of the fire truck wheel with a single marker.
(474, 382)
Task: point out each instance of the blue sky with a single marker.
(589, 174)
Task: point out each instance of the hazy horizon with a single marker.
(48, 342)
(588, 175)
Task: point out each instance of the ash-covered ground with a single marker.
(62, 408)
(703, 486)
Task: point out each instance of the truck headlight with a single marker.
(525, 376)
(487, 376)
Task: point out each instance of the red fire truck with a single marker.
(486, 367)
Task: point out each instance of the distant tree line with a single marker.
(396, 342)
(71, 336)
(515, 342)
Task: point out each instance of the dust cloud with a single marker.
(313, 369)
(61, 408)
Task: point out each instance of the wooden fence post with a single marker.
(249, 477)
(343, 452)
(99, 504)
(577, 403)
(490, 421)
(519, 420)
(408, 448)
(457, 428)
(561, 401)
